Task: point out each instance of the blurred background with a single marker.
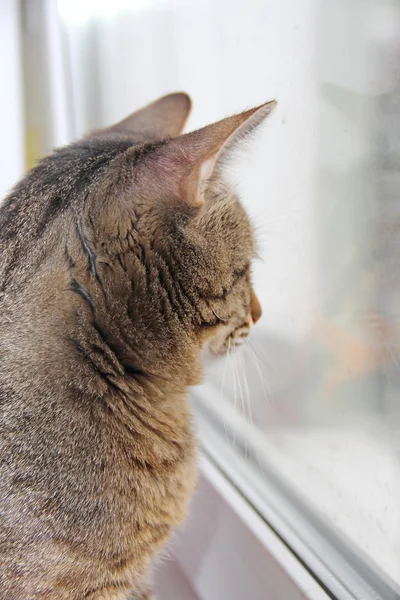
(309, 412)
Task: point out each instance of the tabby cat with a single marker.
(121, 257)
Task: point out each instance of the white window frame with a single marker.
(259, 508)
(228, 551)
(12, 154)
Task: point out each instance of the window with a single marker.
(304, 423)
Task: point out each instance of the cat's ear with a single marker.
(184, 164)
(163, 118)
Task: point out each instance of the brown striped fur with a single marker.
(121, 255)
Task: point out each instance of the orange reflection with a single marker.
(354, 357)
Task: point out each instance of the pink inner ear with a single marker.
(192, 187)
(207, 168)
(203, 174)
(181, 175)
(184, 163)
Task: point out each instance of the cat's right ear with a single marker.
(161, 119)
(183, 166)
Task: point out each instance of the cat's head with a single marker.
(136, 220)
(187, 216)
(192, 219)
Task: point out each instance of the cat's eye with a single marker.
(241, 272)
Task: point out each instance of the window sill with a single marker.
(227, 551)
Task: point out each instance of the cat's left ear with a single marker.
(165, 117)
(184, 164)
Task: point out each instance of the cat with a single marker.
(122, 256)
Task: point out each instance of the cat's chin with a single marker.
(215, 349)
(225, 343)
(211, 352)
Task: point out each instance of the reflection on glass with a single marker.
(321, 410)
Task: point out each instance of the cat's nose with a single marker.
(255, 308)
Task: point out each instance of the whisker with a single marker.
(247, 395)
(234, 397)
(258, 356)
(240, 386)
(264, 384)
(255, 451)
(228, 357)
(242, 401)
(241, 365)
(239, 372)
